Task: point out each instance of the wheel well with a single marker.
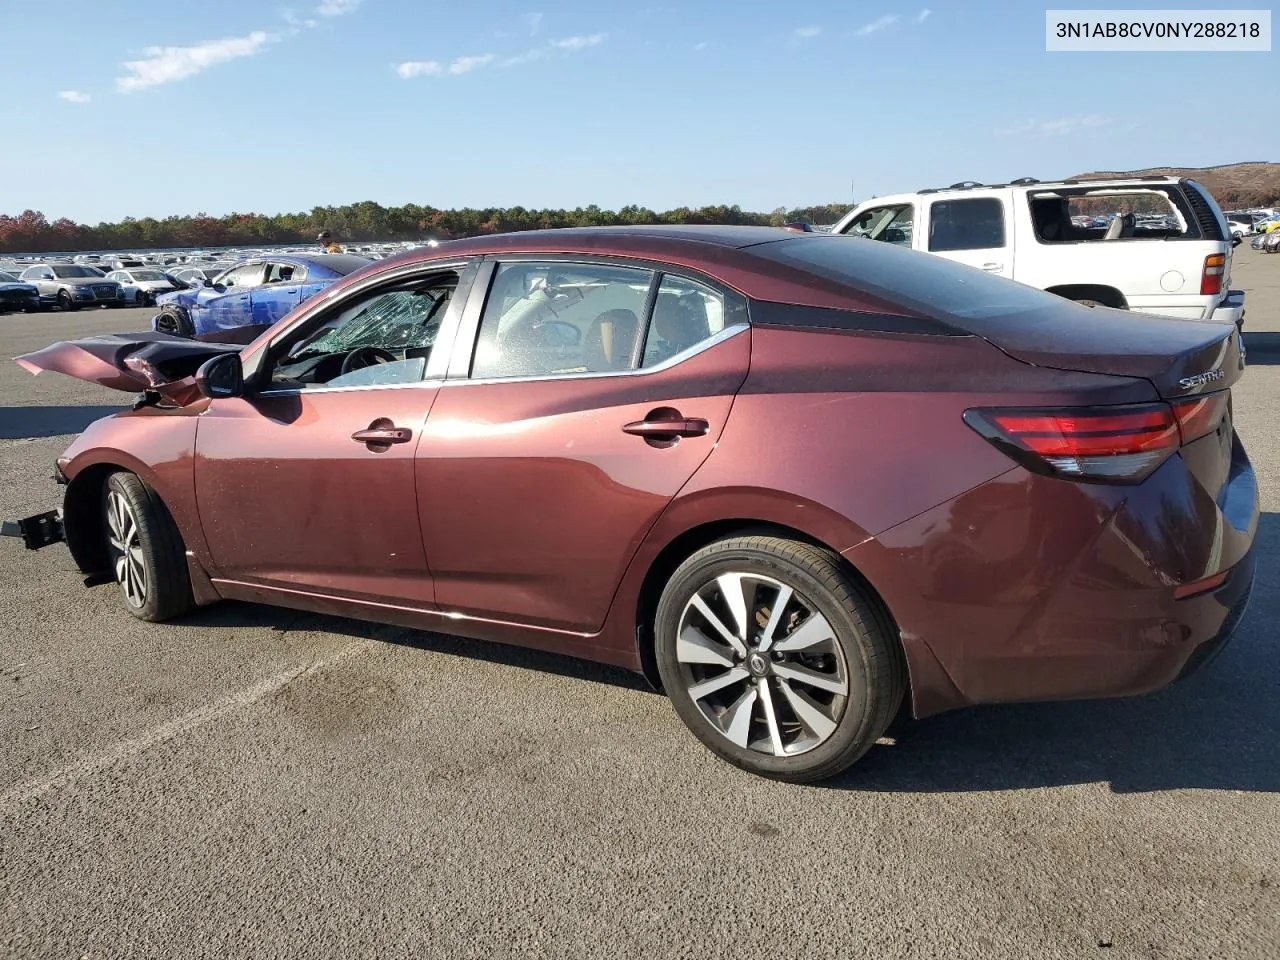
(82, 518)
(1089, 291)
(693, 540)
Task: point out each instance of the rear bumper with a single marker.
(1228, 310)
(1031, 588)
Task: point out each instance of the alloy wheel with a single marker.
(124, 543)
(762, 664)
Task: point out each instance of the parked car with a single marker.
(143, 284)
(1267, 226)
(1024, 230)
(1268, 242)
(71, 286)
(791, 477)
(245, 299)
(16, 295)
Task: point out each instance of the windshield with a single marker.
(395, 320)
(74, 272)
(148, 275)
(7, 277)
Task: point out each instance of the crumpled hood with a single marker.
(130, 362)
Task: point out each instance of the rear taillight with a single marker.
(1215, 265)
(1120, 444)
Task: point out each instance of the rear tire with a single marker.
(798, 695)
(145, 549)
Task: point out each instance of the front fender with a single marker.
(158, 445)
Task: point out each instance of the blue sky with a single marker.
(152, 107)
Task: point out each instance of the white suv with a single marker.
(1153, 244)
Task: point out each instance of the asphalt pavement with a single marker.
(254, 782)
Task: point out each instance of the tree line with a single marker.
(32, 232)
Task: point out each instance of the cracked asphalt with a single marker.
(252, 782)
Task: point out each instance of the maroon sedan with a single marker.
(793, 478)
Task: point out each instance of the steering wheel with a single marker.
(362, 357)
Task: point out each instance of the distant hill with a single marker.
(1233, 185)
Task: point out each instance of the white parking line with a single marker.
(172, 728)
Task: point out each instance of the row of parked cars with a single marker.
(139, 280)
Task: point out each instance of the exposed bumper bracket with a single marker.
(36, 532)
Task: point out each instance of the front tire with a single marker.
(67, 302)
(175, 321)
(776, 659)
(145, 550)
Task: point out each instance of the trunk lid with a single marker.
(132, 362)
(1180, 358)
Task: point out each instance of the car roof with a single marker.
(743, 258)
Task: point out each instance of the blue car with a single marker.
(250, 296)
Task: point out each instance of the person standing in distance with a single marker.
(325, 239)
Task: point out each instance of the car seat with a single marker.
(680, 322)
(610, 341)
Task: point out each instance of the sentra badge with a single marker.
(1200, 379)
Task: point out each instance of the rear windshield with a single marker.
(921, 282)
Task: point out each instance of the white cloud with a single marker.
(923, 15)
(875, 26)
(578, 43)
(434, 68)
(74, 96)
(805, 33)
(337, 8)
(169, 64)
(291, 17)
(698, 47)
(1039, 129)
(533, 21)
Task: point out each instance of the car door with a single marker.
(561, 435)
(225, 304)
(126, 283)
(280, 292)
(42, 279)
(973, 230)
(307, 482)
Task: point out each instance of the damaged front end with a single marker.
(161, 366)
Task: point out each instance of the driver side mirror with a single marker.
(1237, 240)
(221, 376)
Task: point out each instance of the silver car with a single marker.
(71, 286)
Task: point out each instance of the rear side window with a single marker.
(976, 223)
(685, 314)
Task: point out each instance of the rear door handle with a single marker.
(668, 429)
(383, 435)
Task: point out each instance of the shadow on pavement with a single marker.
(1261, 349)
(241, 615)
(22, 423)
(1219, 729)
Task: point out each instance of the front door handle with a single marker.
(993, 267)
(383, 435)
(668, 429)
